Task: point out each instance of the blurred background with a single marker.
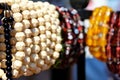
(94, 69)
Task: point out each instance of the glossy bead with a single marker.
(9, 68)
(6, 25)
(9, 57)
(8, 63)
(9, 79)
(9, 75)
(5, 20)
(10, 19)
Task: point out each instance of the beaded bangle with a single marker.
(96, 35)
(70, 22)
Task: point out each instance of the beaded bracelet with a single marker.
(96, 35)
(70, 23)
(113, 48)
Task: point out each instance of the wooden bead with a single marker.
(27, 51)
(42, 37)
(35, 49)
(3, 47)
(58, 47)
(36, 40)
(17, 64)
(12, 33)
(15, 8)
(26, 60)
(20, 36)
(18, 26)
(17, 17)
(20, 46)
(26, 14)
(43, 54)
(13, 50)
(26, 24)
(33, 14)
(42, 29)
(35, 31)
(20, 55)
(2, 38)
(34, 57)
(13, 41)
(28, 33)
(56, 55)
(28, 41)
(2, 55)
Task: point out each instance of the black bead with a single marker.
(7, 41)
(9, 68)
(8, 63)
(8, 75)
(6, 30)
(8, 46)
(5, 20)
(11, 19)
(7, 36)
(9, 79)
(9, 57)
(6, 25)
(8, 51)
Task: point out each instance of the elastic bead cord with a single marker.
(6, 24)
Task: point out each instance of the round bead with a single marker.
(40, 63)
(26, 60)
(8, 68)
(13, 41)
(23, 6)
(18, 26)
(39, 13)
(17, 64)
(9, 57)
(17, 17)
(56, 55)
(35, 31)
(36, 40)
(2, 55)
(58, 47)
(34, 22)
(1, 72)
(33, 14)
(32, 66)
(15, 73)
(30, 5)
(26, 14)
(43, 45)
(43, 54)
(28, 41)
(53, 37)
(27, 50)
(42, 37)
(48, 26)
(15, 8)
(20, 46)
(8, 63)
(28, 33)
(26, 24)
(42, 29)
(3, 46)
(48, 34)
(35, 49)
(9, 75)
(34, 57)
(2, 38)
(41, 21)
(20, 36)
(19, 55)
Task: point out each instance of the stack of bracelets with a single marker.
(97, 32)
(113, 46)
(72, 35)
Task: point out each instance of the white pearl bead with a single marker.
(34, 57)
(47, 18)
(26, 14)
(26, 60)
(1, 73)
(28, 73)
(32, 66)
(10, 2)
(17, 1)
(48, 42)
(48, 25)
(34, 22)
(52, 61)
(43, 54)
(42, 29)
(57, 22)
(28, 41)
(4, 77)
(45, 67)
(30, 5)
(52, 7)
(58, 30)
(15, 73)
(17, 64)
(56, 55)
(48, 34)
(26, 24)
(36, 40)
(20, 46)
(43, 45)
(59, 39)
(39, 13)
(2, 55)
(18, 26)
(15, 8)
(23, 6)
(28, 33)
(52, 45)
(27, 51)
(47, 60)
(35, 31)
(33, 14)
(24, 68)
(35, 49)
(19, 55)
(36, 6)
(53, 37)
(40, 62)
(41, 21)
(58, 47)
(53, 28)
(17, 17)
(42, 37)
(20, 36)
